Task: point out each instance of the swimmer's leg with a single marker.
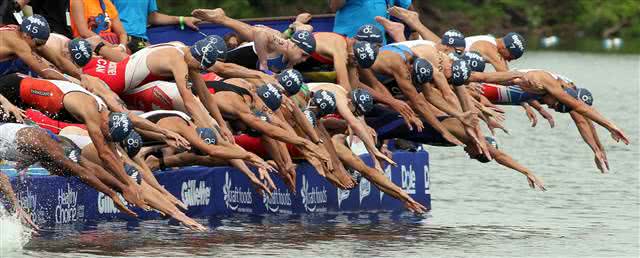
(394, 29)
(412, 19)
(217, 16)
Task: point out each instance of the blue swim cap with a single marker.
(421, 72)
(585, 95)
(262, 116)
(460, 72)
(304, 40)
(119, 126)
(311, 117)
(361, 98)
(80, 51)
(207, 135)
(270, 96)
(219, 46)
(132, 143)
(207, 50)
(291, 80)
(133, 173)
(369, 33)
(581, 94)
(325, 101)
(475, 61)
(453, 38)
(515, 44)
(36, 27)
(455, 56)
(365, 53)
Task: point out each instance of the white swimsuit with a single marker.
(159, 114)
(469, 41)
(414, 43)
(137, 69)
(80, 140)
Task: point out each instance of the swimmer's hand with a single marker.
(617, 135)
(468, 119)
(601, 161)
(176, 141)
(530, 114)
(26, 218)
(411, 204)
(192, 22)
(10, 109)
(264, 184)
(227, 134)
(534, 181)
(452, 139)
(382, 157)
(407, 113)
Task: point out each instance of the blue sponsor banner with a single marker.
(164, 34)
(211, 191)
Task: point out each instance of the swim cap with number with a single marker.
(119, 126)
(361, 98)
(304, 40)
(365, 53)
(270, 96)
(453, 38)
(207, 135)
(132, 143)
(207, 50)
(475, 61)
(515, 44)
(291, 80)
(311, 117)
(325, 101)
(369, 33)
(421, 72)
(80, 51)
(36, 26)
(580, 94)
(460, 71)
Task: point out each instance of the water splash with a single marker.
(14, 235)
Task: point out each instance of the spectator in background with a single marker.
(136, 14)
(97, 19)
(7, 8)
(55, 11)
(351, 14)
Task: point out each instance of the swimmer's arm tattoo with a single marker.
(37, 57)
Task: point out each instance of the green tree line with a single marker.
(569, 18)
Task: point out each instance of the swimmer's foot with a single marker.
(214, 16)
(395, 29)
(409, 17)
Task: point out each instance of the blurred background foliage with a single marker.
(568, 19)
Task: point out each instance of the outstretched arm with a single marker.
(585, 128)
(587, 111)
(506, 160)
(38, 64)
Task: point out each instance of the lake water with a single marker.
(478, 209)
